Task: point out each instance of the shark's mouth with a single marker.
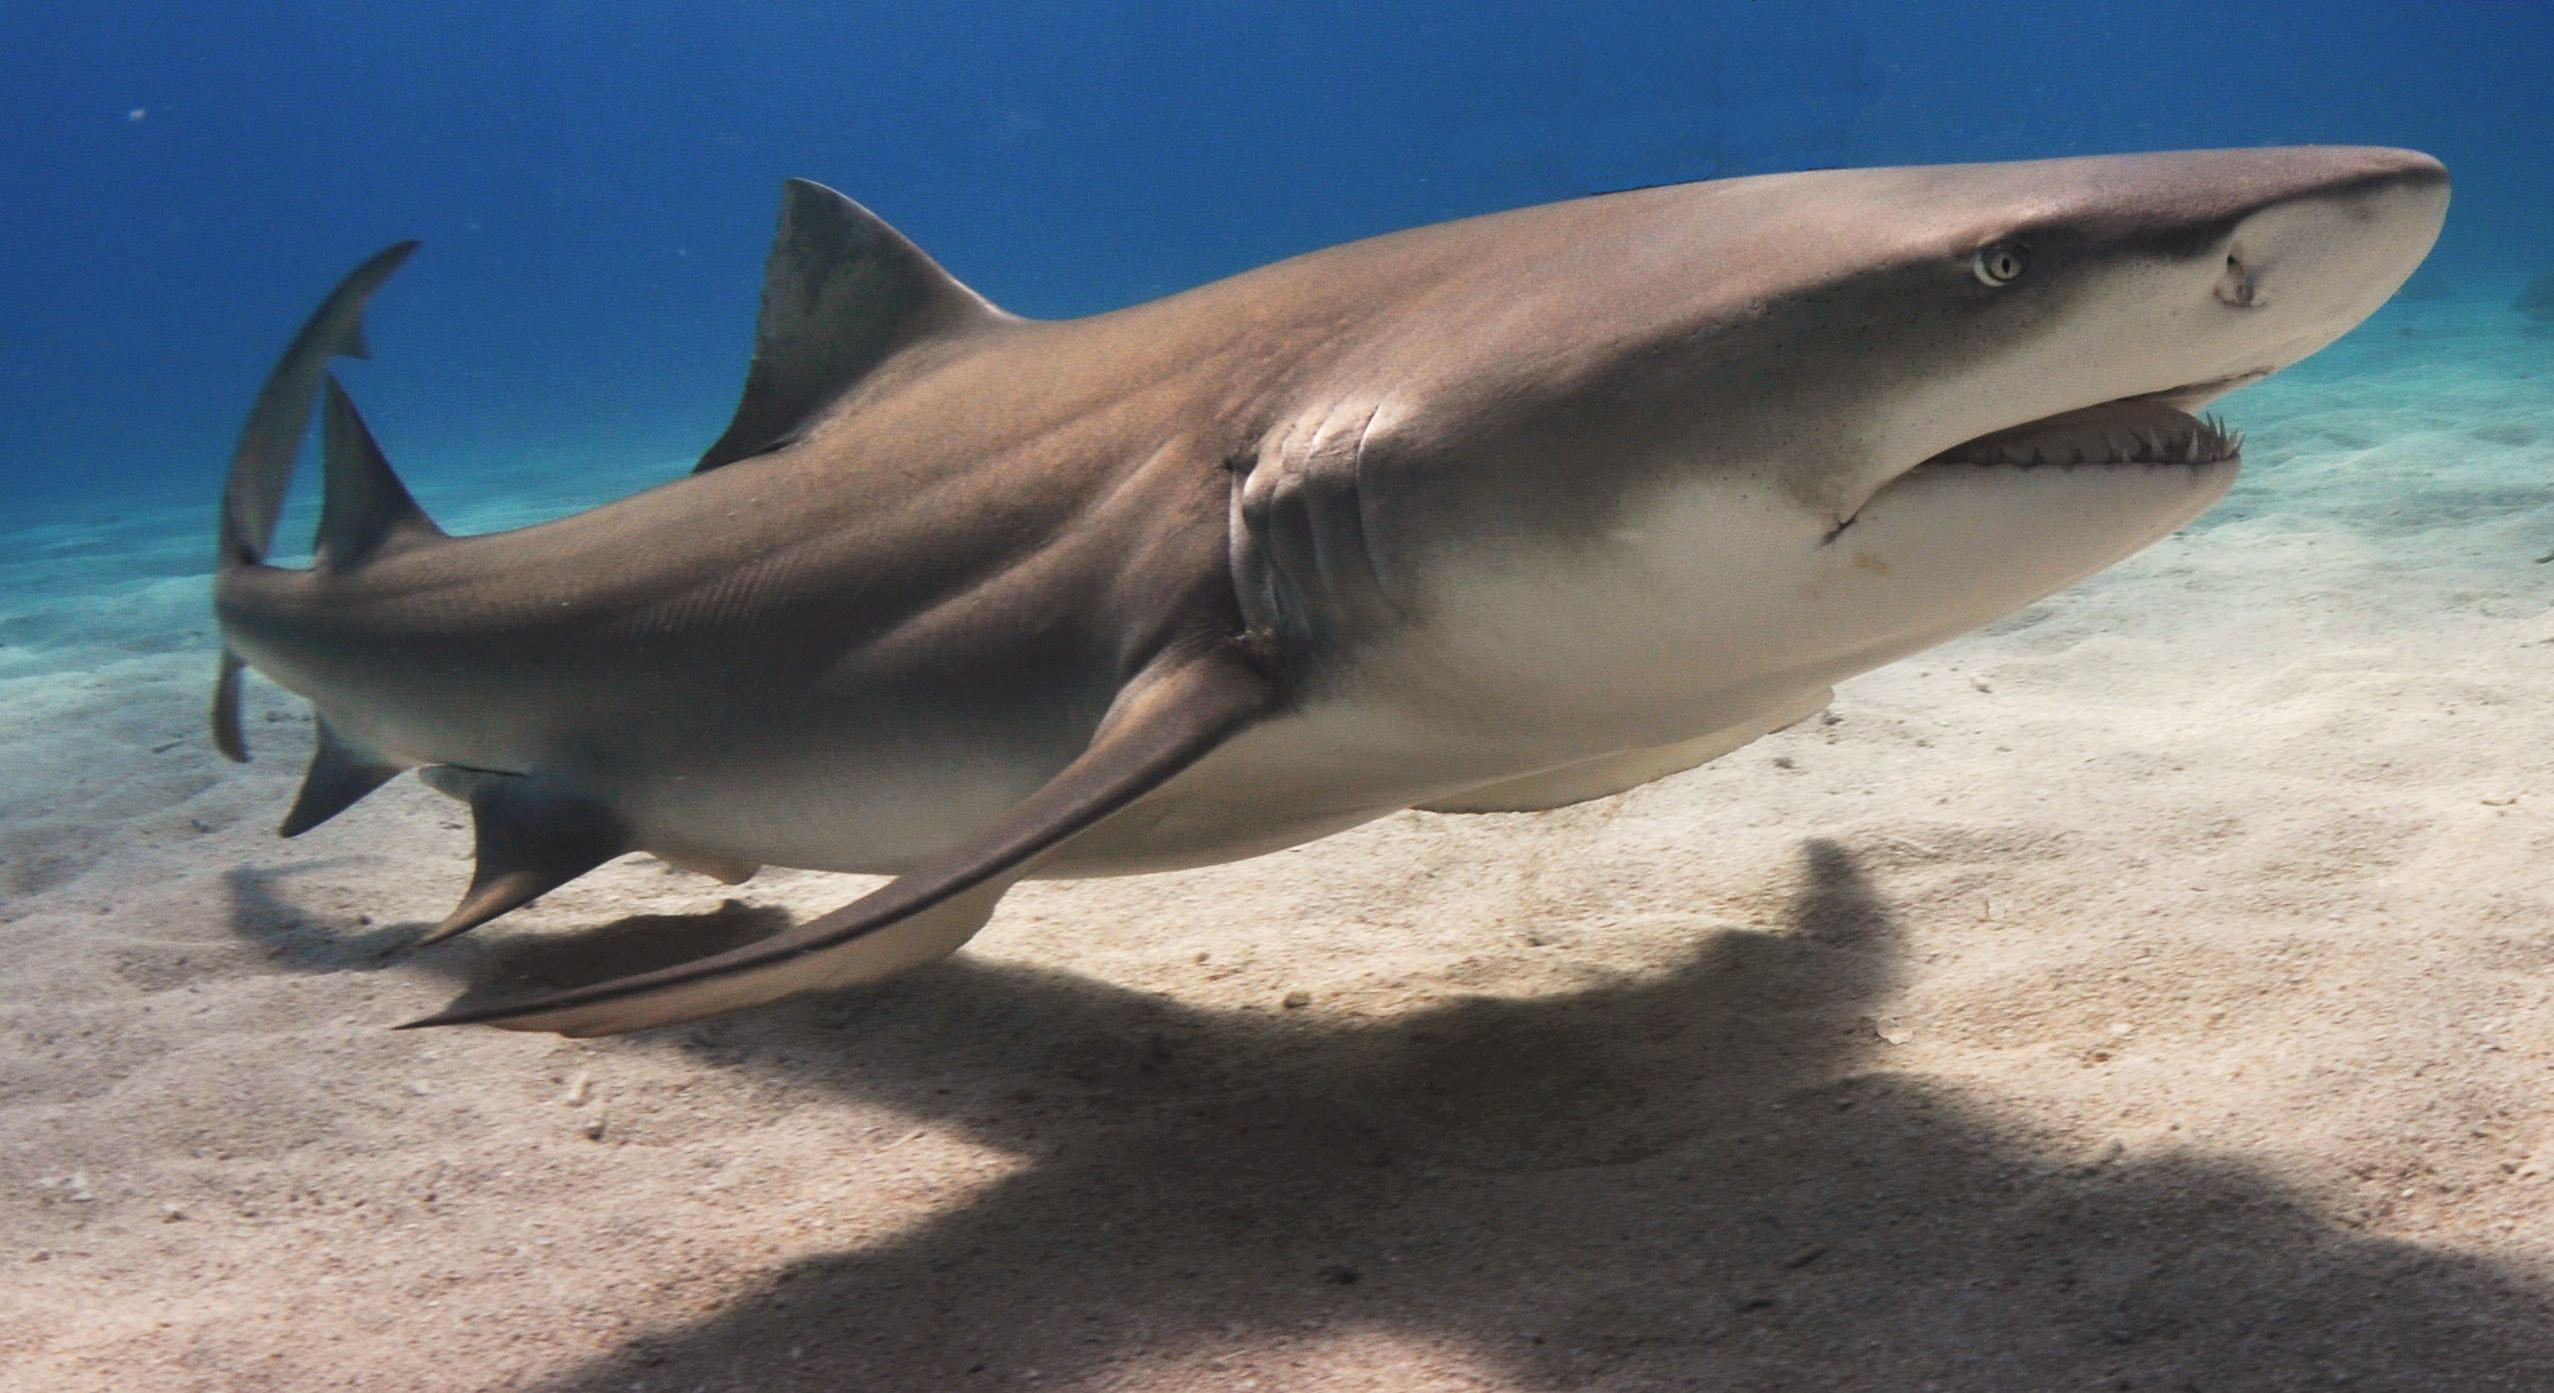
(2137, 430)
(2156, 430)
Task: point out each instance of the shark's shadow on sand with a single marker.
(1705, 1178)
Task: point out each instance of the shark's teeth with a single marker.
(2134, 431)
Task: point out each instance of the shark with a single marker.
(1496, 515)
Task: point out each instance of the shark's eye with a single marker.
(2001, 263)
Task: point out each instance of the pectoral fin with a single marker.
(1165, 720)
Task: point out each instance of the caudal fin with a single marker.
(262, 463)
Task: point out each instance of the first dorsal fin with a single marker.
(842, 293)
(365, 506)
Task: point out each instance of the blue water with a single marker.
(594, 181)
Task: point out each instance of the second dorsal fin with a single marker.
(365, 507)
(842, 293)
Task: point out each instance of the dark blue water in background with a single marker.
(594, 181)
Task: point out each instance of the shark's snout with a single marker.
(2318, 257)
(2069, 434)
(2139, 288)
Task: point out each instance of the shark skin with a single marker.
(1499, 514)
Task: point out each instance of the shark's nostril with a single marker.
(2238, 286)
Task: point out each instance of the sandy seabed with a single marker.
(2155, 991)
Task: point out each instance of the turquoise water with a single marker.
(593, 183)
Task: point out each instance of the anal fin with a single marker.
(340, 775)
(531, 837)
(1172, 714)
